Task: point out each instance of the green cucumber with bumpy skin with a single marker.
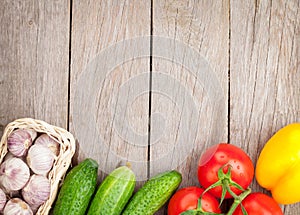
(153, 194)
(77, 189)
(113, 193)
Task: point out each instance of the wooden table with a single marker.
(213, 71)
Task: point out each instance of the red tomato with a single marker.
(242, 169)
(259, 204)
(187, 199)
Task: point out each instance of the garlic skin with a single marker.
(2, 199)
(17, 206)
(8, 156)
(40, 159)
(14, 174)
(49, 142)
(37, 190)
(18, 142)
(32, 133)
(34, 208)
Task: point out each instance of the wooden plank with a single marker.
(189, 36)
(264, 73)
(109, 89)
(34, 51)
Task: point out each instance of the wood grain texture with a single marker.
(182, 121)
(34, 61)
(264, 73)
(115, 96)
(119, 113)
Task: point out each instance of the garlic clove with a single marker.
(49, 142)
(40, 159)
(2, 199)
(14, 174)
(37, 190)
(18, 142)
(17, 206)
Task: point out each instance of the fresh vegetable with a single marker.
(113, 193)
(14, 174)
(24, 171)
(40, 159)
(226, 169)
(77, 189)
(278, 165)
(17, 206)
(18, 142)
(154, 194)
(187, 199)
(258, 204)
(49, 142)
(36, 191)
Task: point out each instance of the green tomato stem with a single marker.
(226, 185)
(238, 200)
(226, 182)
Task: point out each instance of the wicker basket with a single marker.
(62, 161)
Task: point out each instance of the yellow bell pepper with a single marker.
(278, 165)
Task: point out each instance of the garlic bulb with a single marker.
(49, 142)
(2, 199)
(18, 142)
(40, 159)
(14, 174)
(37, 190)
(17, 206)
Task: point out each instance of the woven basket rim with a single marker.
(62, 161)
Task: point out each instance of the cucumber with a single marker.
(113, 193)
(153, 194)
(77, 189)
